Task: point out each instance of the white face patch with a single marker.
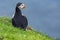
(21, 6)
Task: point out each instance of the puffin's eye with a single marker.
(22, 5)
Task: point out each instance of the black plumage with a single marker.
(19, 20)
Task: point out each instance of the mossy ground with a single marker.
(8, 32)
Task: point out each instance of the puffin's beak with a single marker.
(22, 6)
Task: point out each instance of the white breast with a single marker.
(13, 16)
(22, 14)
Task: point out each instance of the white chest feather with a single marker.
(22, 14)
(13, 16)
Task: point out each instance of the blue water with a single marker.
(43, 15)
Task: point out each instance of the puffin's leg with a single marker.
(23, 27)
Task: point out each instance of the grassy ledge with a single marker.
(8, 32)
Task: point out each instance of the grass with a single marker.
(8, 32)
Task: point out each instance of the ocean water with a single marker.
(43, 15)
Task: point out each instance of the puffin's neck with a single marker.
(18, 11)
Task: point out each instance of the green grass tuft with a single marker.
(8, 32)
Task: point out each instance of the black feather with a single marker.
(19, 20)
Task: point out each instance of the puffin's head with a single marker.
(21, 5)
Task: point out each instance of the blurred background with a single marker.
(43, 15)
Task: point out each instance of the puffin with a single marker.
(19, 20)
